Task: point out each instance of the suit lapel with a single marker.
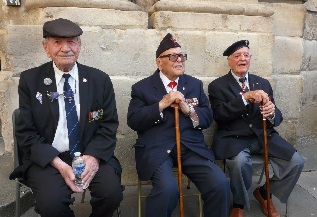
(181, 86)
(158, 85)
(46, 89)
(253, 83)
(235, 87)
(84, 96)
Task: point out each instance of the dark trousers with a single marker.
(53, 196)
(205, 174)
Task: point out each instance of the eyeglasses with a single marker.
(174, 57)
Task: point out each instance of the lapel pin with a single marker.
(47, 81)
(84, 80)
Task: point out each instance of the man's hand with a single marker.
(256, 96)
(268, 109)
(92, 166)
(67, 172)
(169, 99)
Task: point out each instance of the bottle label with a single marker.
(78, 170)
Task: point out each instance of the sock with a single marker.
(263, 192)
(236, 205)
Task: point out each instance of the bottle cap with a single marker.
(77, 154)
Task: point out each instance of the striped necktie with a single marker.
(244, 86)
(71, 118)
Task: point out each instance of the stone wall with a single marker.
(120, 37)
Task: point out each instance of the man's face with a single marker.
(239, 61)
(63, 51)
(170, 69)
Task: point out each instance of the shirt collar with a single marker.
(59, 74)
(237, 77)
(165, 80)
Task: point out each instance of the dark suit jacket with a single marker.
(237, 124)
(37, 121)
(156, 135)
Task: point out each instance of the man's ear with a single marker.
(44, 44)
(158, 63)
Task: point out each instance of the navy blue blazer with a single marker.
(156, 135)
(38, 119)
(238, 124)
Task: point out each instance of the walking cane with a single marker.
(179, 160)
(266, 162)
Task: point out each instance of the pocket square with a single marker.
(39, 97)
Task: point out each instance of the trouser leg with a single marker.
(286, 175)
(210, 181)
(106, 191)
(164, 195)
(240, 173)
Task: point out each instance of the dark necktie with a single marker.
(244, 86)
(71, 118)
(172, 84)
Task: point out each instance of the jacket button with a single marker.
(250, 125)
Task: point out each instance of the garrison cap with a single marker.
(61, 28)
(168, 42)
(236, 46)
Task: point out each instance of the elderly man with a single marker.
(240, 100)
(51, 98)
(151, 114)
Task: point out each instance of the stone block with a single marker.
(287, 55)
(104, 18)
(287, 95)
(217, 1)
(310, 30)
(260, 47)
(25, 47)
(162, 20)
(288, 130)
(123, 5)
(223, 7)
(120, 52)
(311, 5)
(310, 55)
(288, 19)
(307, 115)
(126, 136)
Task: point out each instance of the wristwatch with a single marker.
(191, 109)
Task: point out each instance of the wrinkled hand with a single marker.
(91, 168)
(170, 98)
(256, 96)
(67, 172)
(268, 109)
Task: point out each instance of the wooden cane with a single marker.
(266, 162)
(179, 160)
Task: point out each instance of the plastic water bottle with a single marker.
(78, 165)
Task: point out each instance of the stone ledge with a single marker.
(214, 8)
(123, 5)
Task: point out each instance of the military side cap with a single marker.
(168, 42)
(61, 28)
(236, 46)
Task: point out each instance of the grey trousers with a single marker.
(286, 174)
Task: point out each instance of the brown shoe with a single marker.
(236, 212)
(257, 195)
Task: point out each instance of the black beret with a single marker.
(61, 28)
(167, 43)
(236, 46)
